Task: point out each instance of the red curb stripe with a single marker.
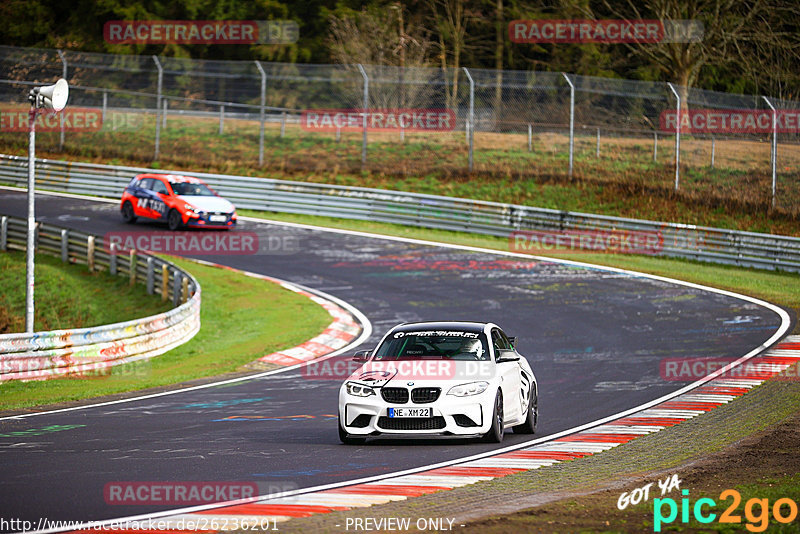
(648, 421)
(291, 510)
(496, 472)
(704, 406)
(721, 390)
(788, 346)
(387, 489)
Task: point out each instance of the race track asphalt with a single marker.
(596, 340)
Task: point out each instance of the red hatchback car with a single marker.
(178, 200)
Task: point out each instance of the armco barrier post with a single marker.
(112, 259)
(158, 105)
(774, 155)
(571, 120)
(164, 282)
(677, 135)
(176, 288)
(90, 253)
(133, 259)
(64, 245)
(184, 289)
(4, 233)
(364, 115)
(150, 275)
(261, 113)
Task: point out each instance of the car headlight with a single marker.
(359, 390)
(465, 390)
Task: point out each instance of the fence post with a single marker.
(364, 116)
(655, 146)
(774, 155)
(64, 245)
(713, 149)
(164, 113)
(530, 138)
(471, 114)
(221, 118)
(571, 120)
(677, 135)
(4, 233)
(112, 259)
(283, 124)
(184, 289)
(158, 105)
(176, 288)
(61, 115)
(597, 152)
(261, 113)
(105, 105)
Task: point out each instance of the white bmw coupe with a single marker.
(439, 379)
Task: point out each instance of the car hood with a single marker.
(424, 372)
(208, 203)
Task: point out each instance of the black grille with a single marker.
(361, 421)
(425, 395)
(395, 395)
(463, 420)
(411, 423)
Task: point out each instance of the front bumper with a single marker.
(451, 416)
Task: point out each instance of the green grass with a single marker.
(242, 319)
(776, 287)
(68, 296)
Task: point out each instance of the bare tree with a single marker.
(451, 18)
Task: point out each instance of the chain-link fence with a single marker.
(504, 125)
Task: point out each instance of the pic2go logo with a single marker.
(756, 511)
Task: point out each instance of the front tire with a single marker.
(174, 220)
(347, 439)
(496, 431)
(128, 215)
(529, 426)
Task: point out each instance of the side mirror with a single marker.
(361, 356)
(507, 355)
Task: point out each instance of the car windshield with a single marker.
(434, 345)
(190, 189)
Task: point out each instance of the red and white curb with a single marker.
(612, 433)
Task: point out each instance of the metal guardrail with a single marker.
(731, 247)
(43, 355)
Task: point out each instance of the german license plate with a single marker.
(217, 218)
(410, 412)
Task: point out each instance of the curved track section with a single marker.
(595, 337)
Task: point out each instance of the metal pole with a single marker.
(366, 105)
(105, 105)
(655, 146)
(597, 152)
(158, 104)
(61, 118)
(530, 138)
(471, 115)
(774, 155)
(283, 124)
(164, 113)
(713, 149)
(261, 113)
(571, 120)
(677, 135)
(29, 270)
(221, 118)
